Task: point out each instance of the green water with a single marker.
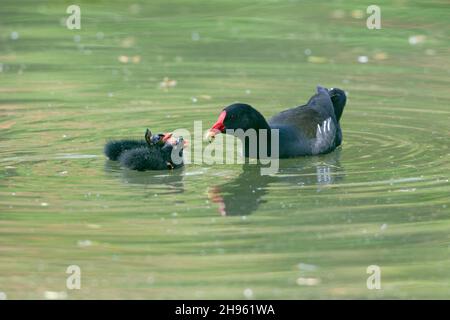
(223, 231)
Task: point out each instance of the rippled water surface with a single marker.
(223, 231)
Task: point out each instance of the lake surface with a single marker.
(223, 231)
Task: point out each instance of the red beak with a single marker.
(218, 127)
(166, 137)
(219, 124)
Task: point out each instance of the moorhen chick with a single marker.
(309, 129)
(155, 152)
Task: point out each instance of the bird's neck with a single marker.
(258, 145)
(260, 122)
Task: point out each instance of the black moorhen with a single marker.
(310, 129)
(153, 153)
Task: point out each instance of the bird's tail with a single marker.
(114, 148)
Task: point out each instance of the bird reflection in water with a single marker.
(244, 194)
(161, 182)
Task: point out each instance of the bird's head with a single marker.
(237, 116)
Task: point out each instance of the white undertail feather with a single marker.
(325, 136)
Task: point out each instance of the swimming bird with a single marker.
(309, 129)
(154, 152)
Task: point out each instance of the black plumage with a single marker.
(309, 129)
(155, 152)
(114, 148)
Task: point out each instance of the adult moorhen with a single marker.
(310, 129)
